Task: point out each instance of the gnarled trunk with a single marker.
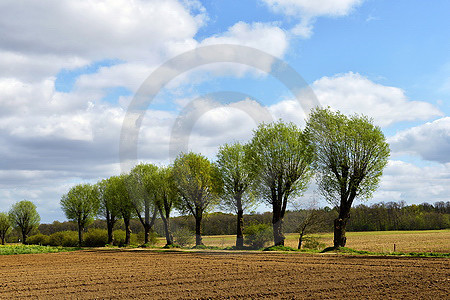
(110, 225)
(339, 232)
(240, 225)
(166, 222)
(277, 224)
(126, 221)
(198, 230)
(80, 234)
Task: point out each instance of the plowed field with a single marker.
(186, 275)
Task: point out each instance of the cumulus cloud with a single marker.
(430, 141)
(352, 92)
(414, 184)
(307, 11)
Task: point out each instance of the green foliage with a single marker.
(281, 155)
(81, 203)
(30, 249)
(152, 238)
(351, 154)
(280, 248)
(184, 237)
(5, 226)
(257, 235)
(237, 177)
(38, 239)
(24, 217)
(196, 175)
(96, 237)
(312, 242)
(64, 238)
(119, 238)
(345, 250)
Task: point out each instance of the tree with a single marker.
(81, 205)
(167, 197)
(5, 226)
(237, 179)
(351, 155)
(144, 193)
(121, 190)
(198, 183)
(109, 208)
(281, 155)
(24, 217)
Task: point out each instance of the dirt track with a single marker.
(144, 274)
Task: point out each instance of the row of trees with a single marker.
(347, 155)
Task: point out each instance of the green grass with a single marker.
(32, 249)
(345, 250)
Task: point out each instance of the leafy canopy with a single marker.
(351, 153)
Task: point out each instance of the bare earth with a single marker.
(108, 274)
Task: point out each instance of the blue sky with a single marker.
(69, 70)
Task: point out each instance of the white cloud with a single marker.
(430, 141)
(405, 181)
(65, 34)
(307, 11)
(352, 92)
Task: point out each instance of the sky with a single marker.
(75, 74)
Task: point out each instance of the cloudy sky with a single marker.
(69, 71)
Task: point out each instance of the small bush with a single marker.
(38, 239)
(258, 235)
(96, 237)
(184, 237)
(119, 238)
(152, 238)
(64, 238)
(311, 242)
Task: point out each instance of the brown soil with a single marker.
(186, 275)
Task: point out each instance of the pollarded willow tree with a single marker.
(120, 189)
(5, 226)
(199, 185)
(24, 217)
(351, 154)
(167, 197)
(281, 155)
(143, 191)
(81, 205)
(109, 207)
(237, 177)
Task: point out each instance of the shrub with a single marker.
(119, 238)
(258, 235)
(38, 239)
(311, 242)
(96, 237)
(64, 238)
(152, 238)
(183, 237)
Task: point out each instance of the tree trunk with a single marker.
(146, 233)
(277, 224)
(169, 237)
(80, 234)
(300, 240)
(240, 225)
(198, 230)
(126, 221)
(3, 237)
(110, 225)
(339, 232)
